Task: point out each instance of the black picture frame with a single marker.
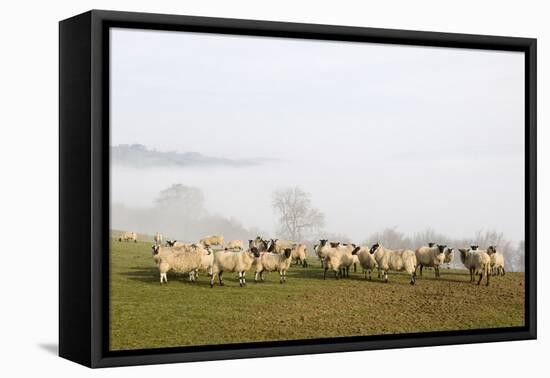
(84, 186)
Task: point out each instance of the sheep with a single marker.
(366, 259)
(170, 259)
(322, 249)
(497, 261)
(278, 246)
(175, 243)
(209, 241)
(272, 262)
(128, 236)
(397, 260)
(235, 244)
(259, 243)
(316, 251)
(338, 259)
(299, 254)
(476, 260)
(448, 257)
(158, 238)
(239, 262)
(431, 257)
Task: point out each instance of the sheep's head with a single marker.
(374, 248)
(271, 247)
(449, 251)
(355, 250)
(155, 249)
(323, 242)
(170, 242)
(491, 249)
(474, 247)
(441, 247)
(255, 252)
(288, 252)
(334, 244)
(431, 244)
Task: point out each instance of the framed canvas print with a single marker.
(236, 188)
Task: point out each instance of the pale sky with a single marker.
(379, 135)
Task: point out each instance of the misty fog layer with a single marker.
(378, 135)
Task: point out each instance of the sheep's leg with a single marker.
(413, 278)
(325, 275)
(503, 271)
(421, 266)
(256, 276)
(244, 278)
(385, 274)
(220, 277)
(354, 267)
(480, 277)
(240, 279)
(304, 265)
(336, 274)
(212, 276)
(281, 276)
(436, 271)
(487, 283)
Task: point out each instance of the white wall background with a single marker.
(29, 206)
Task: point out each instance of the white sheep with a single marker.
(158, 238)
(316, 251)
(175, 243)
(497, 261)
(366, 259)
(299, 254)
(212, 240)
(128, 236)
(396, 260)
(322, 250)
(170, 259)
(278, 246)
(476, 261)
(448, 256)
(338, 259)
(432, 257)
(239, 262)
(273, 262)
(235, 244)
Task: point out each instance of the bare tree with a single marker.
(297, 216)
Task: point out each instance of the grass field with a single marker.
(146, 315)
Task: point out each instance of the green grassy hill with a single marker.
(147, 315)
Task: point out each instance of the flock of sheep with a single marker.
(209, 255)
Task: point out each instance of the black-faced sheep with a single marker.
(273, 262)
(240, 262)
(431, 257)
(396, 260)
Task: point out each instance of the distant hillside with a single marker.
(138, 155)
